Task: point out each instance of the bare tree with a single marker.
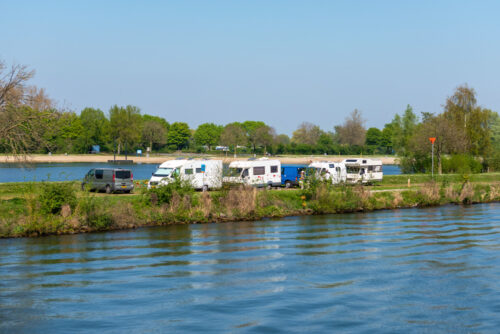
(12, 83)
(352, 132)
(307, 133)
(21, 126)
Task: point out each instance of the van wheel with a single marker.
(288, 184)
(204, 188)
(269, 186)
(108, 189)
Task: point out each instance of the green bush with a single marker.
(164, 193)
(54, 195)
(461, 164)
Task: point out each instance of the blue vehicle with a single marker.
(290, 175)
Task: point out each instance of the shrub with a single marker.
(461, 164)
(165, 193)
(56, 194)
(94, 213)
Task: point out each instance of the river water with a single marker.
(415, 270)
(76, 171)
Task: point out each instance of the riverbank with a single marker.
(35, 209)
(157, 159)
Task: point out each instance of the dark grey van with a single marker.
(109, 180)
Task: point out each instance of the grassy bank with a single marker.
(33, 209)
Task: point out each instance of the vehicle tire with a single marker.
(204, 188)
(108, 189)
(269, 186)
(288, 184)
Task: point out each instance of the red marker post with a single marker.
(432, 140)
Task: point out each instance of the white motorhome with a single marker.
(256, 172)
(360, 170)
(202, 174)
(327, 170)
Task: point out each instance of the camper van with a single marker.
(360, 170)
(327, 170)
(256, 172)
(109, 180)
(202, 174)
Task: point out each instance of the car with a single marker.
(109, 180)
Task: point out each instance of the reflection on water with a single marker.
(416, 270)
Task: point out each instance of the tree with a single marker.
(307, 133)
(21, 126)
(95, 124)
(449, 139)
(403, 129)
(373, 137)
(264, 136)
(461, 108)
(252, 128)
(153, 133)
(125, 126)
(178, 135)
(64, 133)
(208, 134)
(386, 139)
(352, 132)
(233, 135)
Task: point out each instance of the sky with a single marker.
(281, 62)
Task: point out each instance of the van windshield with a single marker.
(234, 171)
(163, 172)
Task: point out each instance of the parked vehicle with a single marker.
(362, 170)
(109, 180)
(202, 174)
(256, 172)
(291, 175)
(328, 170)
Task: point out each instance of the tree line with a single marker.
(31, 122)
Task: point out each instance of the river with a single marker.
(76, 171)
(414, 270)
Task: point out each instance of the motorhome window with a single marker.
(163, 172)
(122, 174)
(99, 173)
(352, 170)
(364, 161)
(274, 169)
(259, 170)
(188, 171)
(378, 169)
(370, 168)
(331, 166)
(245, 173)
(91, 172)
(198, 170)
(235, 171)
(351, 160)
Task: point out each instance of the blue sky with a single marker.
(282, 62)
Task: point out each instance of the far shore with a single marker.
(157, 159)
